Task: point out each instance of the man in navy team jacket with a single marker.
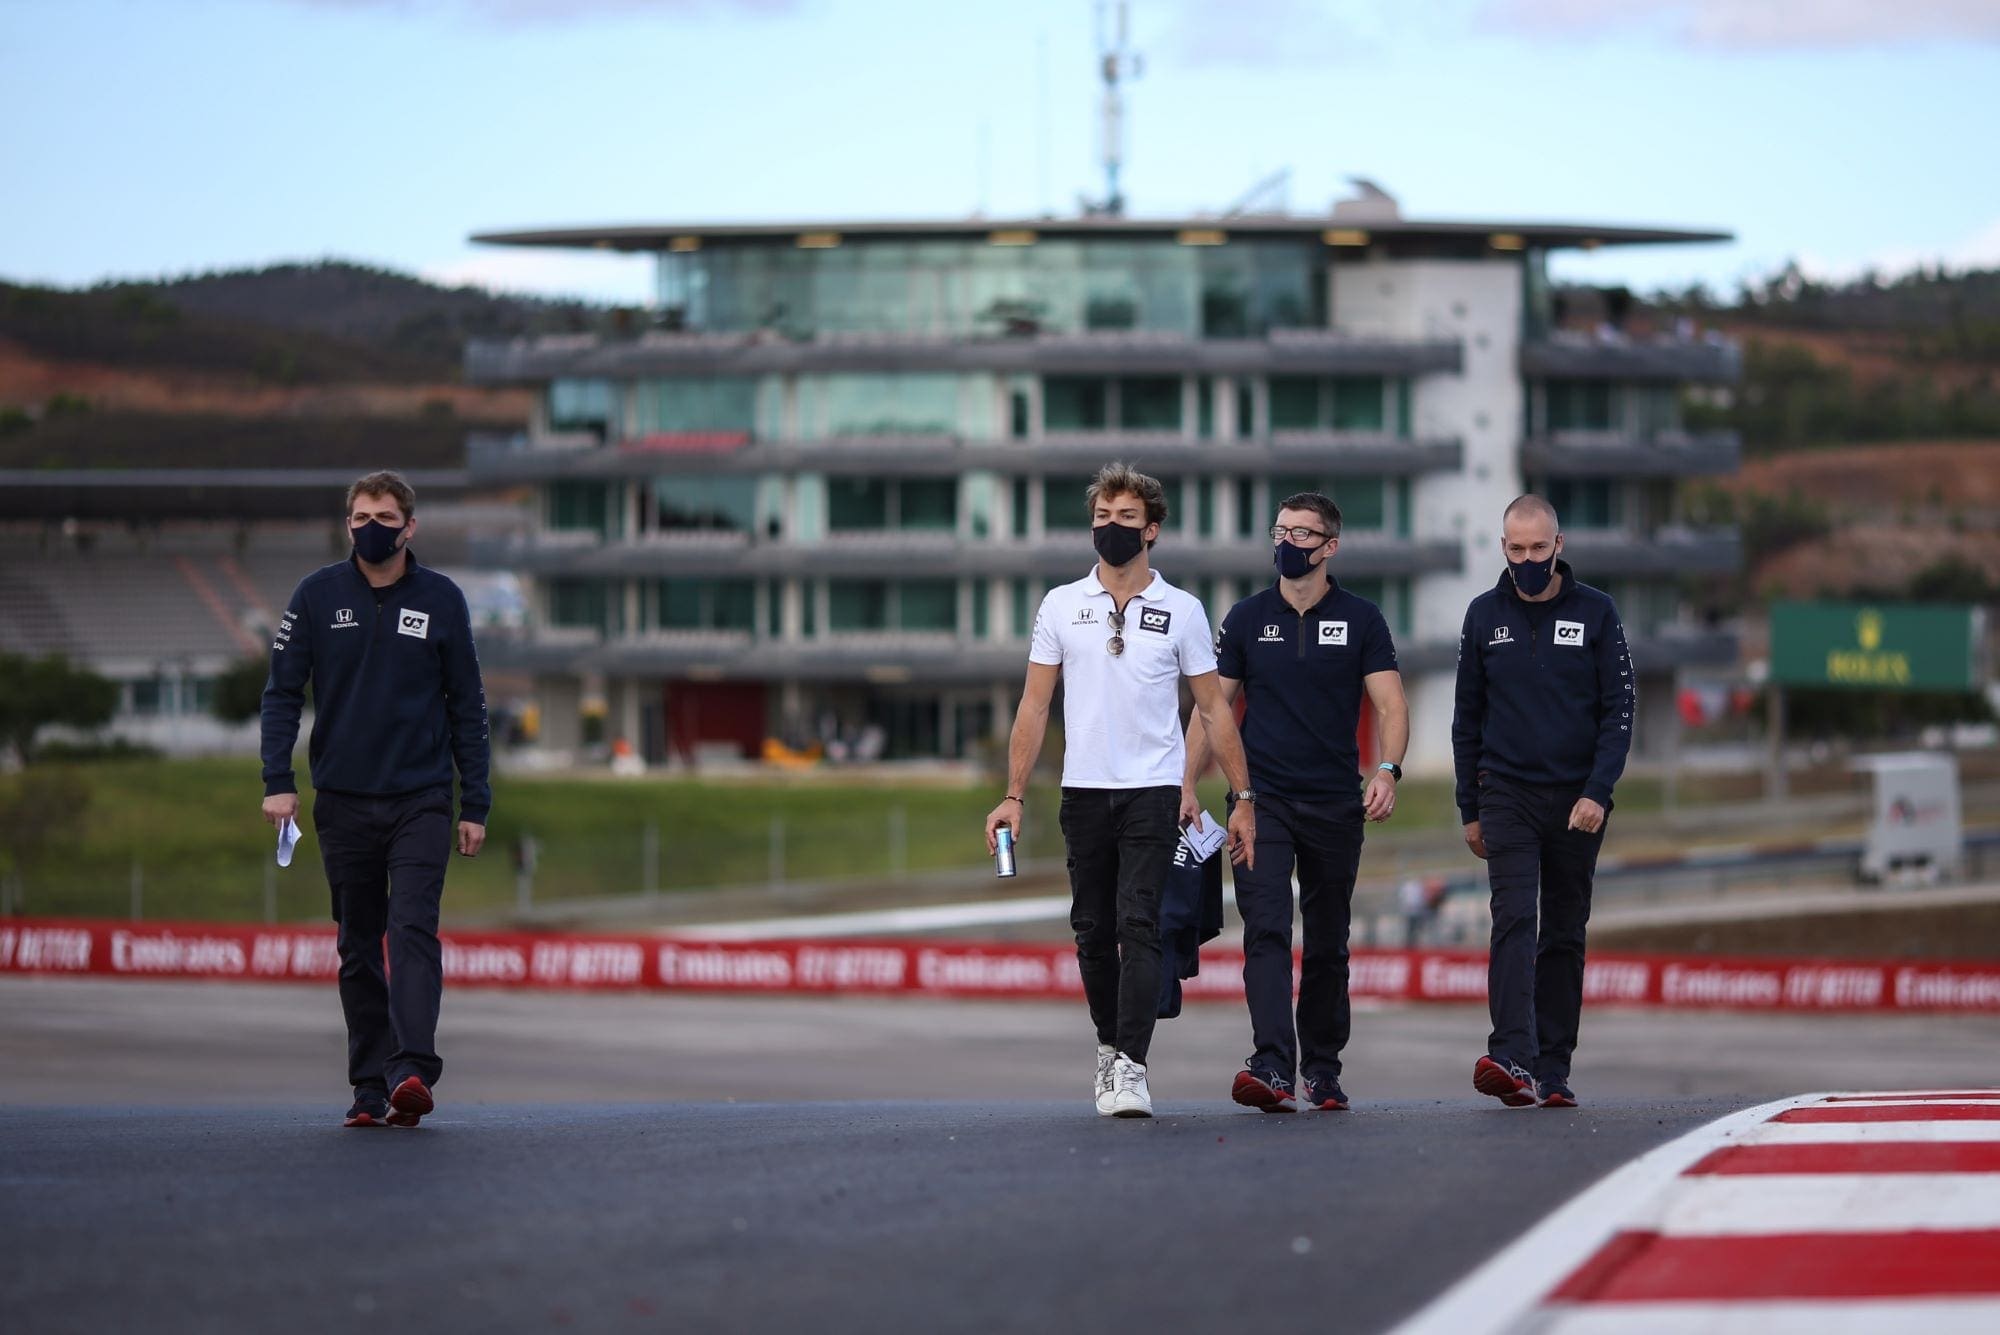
(1539, 738)
(387, 648)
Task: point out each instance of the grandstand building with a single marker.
(819, 502)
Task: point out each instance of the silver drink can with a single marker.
(1003, 851)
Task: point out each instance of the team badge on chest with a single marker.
(1333, 632)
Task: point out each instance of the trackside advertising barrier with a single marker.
(51, 947)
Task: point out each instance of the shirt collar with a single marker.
(1151, 593)
(1326, 600)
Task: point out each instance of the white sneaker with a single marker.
(1129, 1095)
(1107, 1058)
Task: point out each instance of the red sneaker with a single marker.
(409, 1102)
(1266, 1090)
(1509, 1084)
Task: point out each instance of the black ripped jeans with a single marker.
(1121, 842)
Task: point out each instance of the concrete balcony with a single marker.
(1601, 554)
(510, 460)
(1614, 454)
(1063, 555)
(1126, 352)
(1567, 356)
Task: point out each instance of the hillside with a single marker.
(316, 365)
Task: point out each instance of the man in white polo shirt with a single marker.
(1121, 638)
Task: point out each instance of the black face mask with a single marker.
(1531, 577)
(1118, 543)
(374, 541)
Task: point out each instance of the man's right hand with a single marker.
(281, 807)
(1008, 813)
(1475, 841)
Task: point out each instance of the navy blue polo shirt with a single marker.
(1302, 676)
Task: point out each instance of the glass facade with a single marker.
(725, 405)
(679, 504)
(969, 287)
(1330, 403)
(906, 504)
(703, 604)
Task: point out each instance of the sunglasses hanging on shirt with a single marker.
(1116, 644)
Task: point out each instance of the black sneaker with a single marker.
(1261, 1087)
(1555, 1093)
(371, 1108)
(1323, 1093)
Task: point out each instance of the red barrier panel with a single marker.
(957, 969)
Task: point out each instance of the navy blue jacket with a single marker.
(397, 697)
(1543, 699)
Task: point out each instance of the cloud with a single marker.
(509, 13)
(1752, 25)
(1980, 250)
(1259, 33)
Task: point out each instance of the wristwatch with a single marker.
(1247, 795)
(1395, 770)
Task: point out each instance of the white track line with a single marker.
(933, 918)
(1762, 1203)
(1849, 1316)
(1873, 1133)
(1501, 1294)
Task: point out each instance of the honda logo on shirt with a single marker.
(1333, 632)
(1569, 632)
(1271, 635)
(343, 619)
(417, 625)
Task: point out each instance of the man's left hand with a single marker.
(1587, 816)
(471, 838)
(1243, 834)
(1380, 801)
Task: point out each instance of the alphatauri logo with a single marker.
(416, 625)
(1570, 633)
(1333, 632)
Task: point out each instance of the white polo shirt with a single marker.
(1122, 715)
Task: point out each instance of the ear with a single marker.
(1151, 534)
(1327, 549)
(1559, 546)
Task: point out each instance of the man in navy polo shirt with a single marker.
(1305, 651)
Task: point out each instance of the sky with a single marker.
(141, 138)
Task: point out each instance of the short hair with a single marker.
(1116, 479)
(385, 482)
(1532, 506)
(1320, 504)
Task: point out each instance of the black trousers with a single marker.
(1323, 840)
(385, 860)
(1121, 842)
(1540, 872)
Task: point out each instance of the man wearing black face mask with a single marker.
(1304, 651)
(386, 645)
(1121, 638)
(1539, 738)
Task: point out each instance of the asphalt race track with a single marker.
(170, 1160)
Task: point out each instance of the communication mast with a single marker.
(1116, 61)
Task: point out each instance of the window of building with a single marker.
(927, 605)
(726, 504)
(585, 604)
(1062, 503)
(704, 604)
(1023, 613)
(774, 609)
(1579, 405)
(1294, 403)
(584, 405)
(1149, 403)
(150, 695)
(1020, 507)
(1017, 414)
(1204, 408)
(1247, 521)
(1590, 502)
(856, 503)
(981, 614)
(714, 404)
(930, 504)
(857, 605)
(574, 506)
(1357, 403)
(1204, 507)
(853, 404)
(1075, 403)
(1246, 412)
(1366, 503)
(1225, 312)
